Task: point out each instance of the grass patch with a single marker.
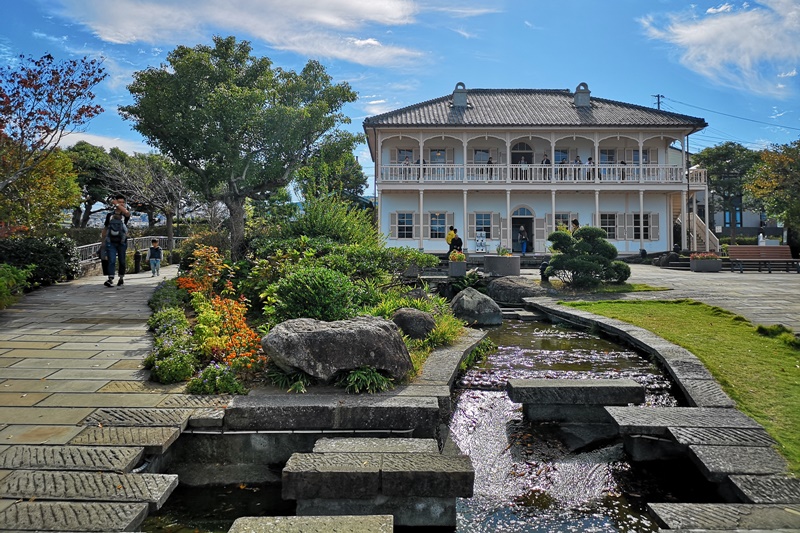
(608, 288)
(759, 368)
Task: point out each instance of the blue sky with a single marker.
(734, 64)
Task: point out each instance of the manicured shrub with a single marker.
(168, 295)
(314, 292)
(216, 379)
(173, 369)
(12, 282)
(50, 263)
(334, 218)
(583, 260)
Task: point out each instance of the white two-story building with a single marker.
(489, 161)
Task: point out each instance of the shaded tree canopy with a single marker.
(775, 182)
(41, 101)
(91, 164)
(334, 169)
(239, 126)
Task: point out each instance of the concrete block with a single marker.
(575, 392)
(303, 524)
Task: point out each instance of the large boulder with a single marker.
(476, 309)
(418, 294)
(512, 289)
(322, 349)
(413, 322)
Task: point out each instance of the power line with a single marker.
(733, 116)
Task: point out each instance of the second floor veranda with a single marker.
(578, 174)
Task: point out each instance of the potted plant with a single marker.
(457, 267)
(705, 262)
(501, 264)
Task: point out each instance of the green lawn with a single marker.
(760, 373)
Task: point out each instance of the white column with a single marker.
(641, 163)
(694, 226)
(641, 219)
(421, 221)
(508, 159)
(464, 155)
(708, 239)
(553, 209)
(597, 207)
(508, 220)
(465, 221)
(684, 219)
(421, 159)
(379, 207)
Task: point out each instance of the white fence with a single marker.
(88, 253)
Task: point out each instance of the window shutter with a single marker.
(449, 154)
(449, 220)
(504, 231)
(654, 227)
(548, 223)
(629, 230)
(496, 226)
(426, 225)
(393, 225)
(620, 226)
(415, 228)
(393, 155)
(539, 229)
(471, 228)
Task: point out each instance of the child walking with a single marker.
(155, 257)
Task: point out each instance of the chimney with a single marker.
(582, 95)
(460, 95)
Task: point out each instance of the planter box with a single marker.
(705, 265)
(501, 265)
(457, 269)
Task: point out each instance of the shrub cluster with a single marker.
(54, 258)
(585, 259)
(12, 282)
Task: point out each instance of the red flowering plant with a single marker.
(703, 255)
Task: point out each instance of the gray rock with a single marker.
(512, 289)
(476, 308)
(413, 322)
(418, 294)
(321, 349)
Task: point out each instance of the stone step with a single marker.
(154, 489)
(330, 524)
(704, 393)
(656, 421)
(720, 516)
(716, 463)
(388, 445)
(366, 475)
(767, 489)
(92, 458)
(154, 440)
(139, 417)
(722, 436)
(575, 392)
(73, 516)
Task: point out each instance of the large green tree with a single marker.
(334, 169)
(775, 182)
(239, 126)
(728, 165)
(91, 163)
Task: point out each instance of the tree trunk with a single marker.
(235, 207)
(76, 217)
(170, 231)
(87, 212)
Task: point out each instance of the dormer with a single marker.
(460, 95)
(582, 95)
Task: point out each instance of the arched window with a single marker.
(521, 153)
(522, 212)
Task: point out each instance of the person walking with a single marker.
(154, 255)
(522, 236)
(117, 247)
(449, 239)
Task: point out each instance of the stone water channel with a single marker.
(525, 478)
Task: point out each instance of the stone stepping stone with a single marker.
(388, 445)
(657, 420)
(73, 516)
(331, 524)
(207, 418)
(139, 417)
(94, 458)
(705, 393)
(722, 436)
(153, 440)
(194, 401)
(89, 486)
(767, 489)
(717, 462)
(720, 516)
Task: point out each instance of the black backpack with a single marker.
(116, 231)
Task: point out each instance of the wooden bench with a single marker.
(743, 256)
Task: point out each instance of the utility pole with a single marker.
(658, 98)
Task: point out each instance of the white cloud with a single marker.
(791, 74)
(744, 49)
(464, 33)
(315, 28)
(126, 145)
(722, 8)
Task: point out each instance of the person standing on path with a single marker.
(523, 240)
(154, 255)
(119, 246)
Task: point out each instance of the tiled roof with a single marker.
(529, 108)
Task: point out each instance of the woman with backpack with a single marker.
(115, 238)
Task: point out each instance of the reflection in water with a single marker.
(525, 480)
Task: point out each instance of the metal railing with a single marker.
(88, 252)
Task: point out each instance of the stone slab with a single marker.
(84, 458)
(682, 369)
(5, 362)
(154, 440)
(73, 516)
(657, 420)
(58, 364)
(34, 434)
(575, 391)
(43, 415)
(37, 344)
(441, 367)
(142, 386)
(106, 346)
(26, 373)
(89, 486)
(43, 385)
(306, 524)
(767, 489)
(388, 445)
(79, 374)
(725, 516)
(134, 417)
(705, 393)
(427, 475)
(421, 513)
(206, 417)
(62, 338)
(717, 462)
(51, 354)
(334, 411)
(21, 399)
(193, 401)
(722, 436)
(74, 399)
(127, 364)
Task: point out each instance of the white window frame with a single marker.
(609, 222)
(406, 216)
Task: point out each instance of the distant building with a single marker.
(489, 161)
